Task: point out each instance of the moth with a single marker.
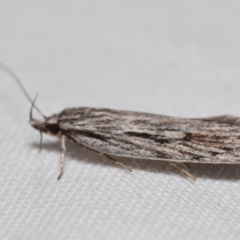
(129, 134)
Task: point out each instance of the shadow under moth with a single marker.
(128, 134)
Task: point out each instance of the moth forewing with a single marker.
(154, 137)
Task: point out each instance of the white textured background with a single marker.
(179, 58)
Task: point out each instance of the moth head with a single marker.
(49, 125)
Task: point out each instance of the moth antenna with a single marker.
(18, 81)
(31, 110)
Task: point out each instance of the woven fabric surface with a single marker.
(178, 58)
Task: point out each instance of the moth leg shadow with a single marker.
(198, 170)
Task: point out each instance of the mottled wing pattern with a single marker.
(149, 136)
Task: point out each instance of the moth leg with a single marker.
(183, 171)
(118, 163)
(63, 146)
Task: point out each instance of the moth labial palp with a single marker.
(135, 135)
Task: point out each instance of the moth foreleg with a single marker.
(118, 163)
(183, 171)
(63, 146)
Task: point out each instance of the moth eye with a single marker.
(53, 128)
